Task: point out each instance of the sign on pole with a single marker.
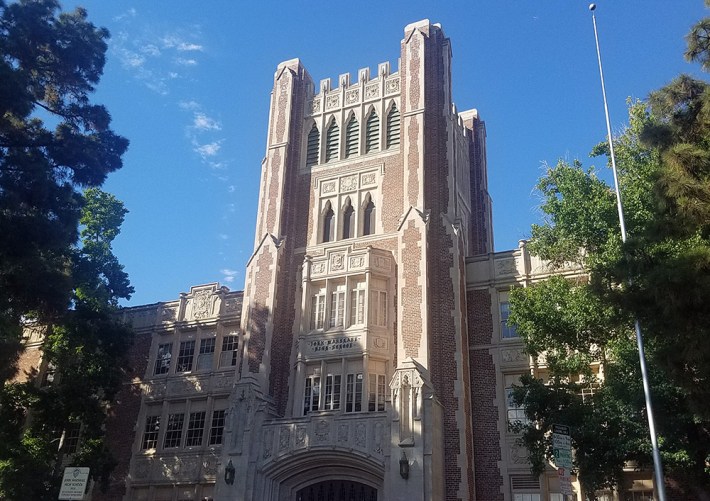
(74, 483)
(562, 450)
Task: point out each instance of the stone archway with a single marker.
(337, 490)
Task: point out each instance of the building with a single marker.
(368, 356)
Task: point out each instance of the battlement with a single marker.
(367, 88)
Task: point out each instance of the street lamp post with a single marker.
(657, 464)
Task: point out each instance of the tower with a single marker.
(353, 375)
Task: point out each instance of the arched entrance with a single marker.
(337, 490)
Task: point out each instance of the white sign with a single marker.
(74, 483)
(562, 449)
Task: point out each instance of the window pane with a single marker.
(507, 330)
(173, 431)
(228, 356)
(217, 428)
(162, 361)
(195, 429)
(150, 434)
(206, 357)
(185, 356)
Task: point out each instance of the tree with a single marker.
(660, 276)
(57, 268)
(49, 64)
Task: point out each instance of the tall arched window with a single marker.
(393, 127)
(372, 133)
(352, 136)
(328, 223)
(331, 142)
(348, 220)
(368, 214)
(312, 147)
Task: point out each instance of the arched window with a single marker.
(312, 148)
(368, 221)
(352, 135)
(393, 127)
(348, 220)
(331, 142)
(372, 135)
(328, 223)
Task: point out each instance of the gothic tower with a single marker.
(353, 376)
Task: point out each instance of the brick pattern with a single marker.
(123, 415)
(412, 293)
(258, 311)
(486, 437)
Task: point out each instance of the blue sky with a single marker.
(188, 84)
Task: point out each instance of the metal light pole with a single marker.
(657, 464)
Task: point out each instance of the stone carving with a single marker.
(357, 262)
(518, 455)
(322, 431)
(153, 390)
(328, 187)
(181, 386)
(392, 86)
(300, 436)
(343, 433)
(284, 438)
(209, 466)
(232, 305)
(221, 383)
(352, 96)
(315, 105)
(378, 437)
(332, 101)
(141, 469)
(506, 267)
(382, 263)
(268, 441)
(360, 435)
(318, 268)
(379, 343)
(372, 90)
(168, 314)
(513, 355)
(189, 468)
(368, 179)
(348, 183)
(201, 304)
(337, 262)
(240, 416)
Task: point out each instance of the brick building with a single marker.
(369, 356)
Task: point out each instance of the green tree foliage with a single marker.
(661, 276)
(57, 268)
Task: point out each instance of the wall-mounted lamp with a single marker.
(229, 473)
(404, 466)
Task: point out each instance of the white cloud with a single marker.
(228, 275)
(185, 62)
(129, 13)
(183, 47)
(203, 122)
(150, 50)
(209, 149)
(189, 105)
(231, 188)
(223, 236)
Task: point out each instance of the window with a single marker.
(49, 374)
(328, 224)
(331, 142)
(507, 330)
(348, 220)
(368, 220)
(638, 496)
(173, 431)
(372, 133)
(185, 356)
(311, 394)
(332, 392)
(205, 359)
(162, 360)
(353, 393)
(516, 413)
(195, 429)
(352, 133)
(71, 438)
(312, 147)
(217, 427)
(357, 304)
(526, 497)
(393, 127)
(378, 307)
(150, 434)
(337, 306)
(228, 356)
(376, 402)
(318, 310)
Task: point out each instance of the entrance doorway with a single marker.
(337, 490)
